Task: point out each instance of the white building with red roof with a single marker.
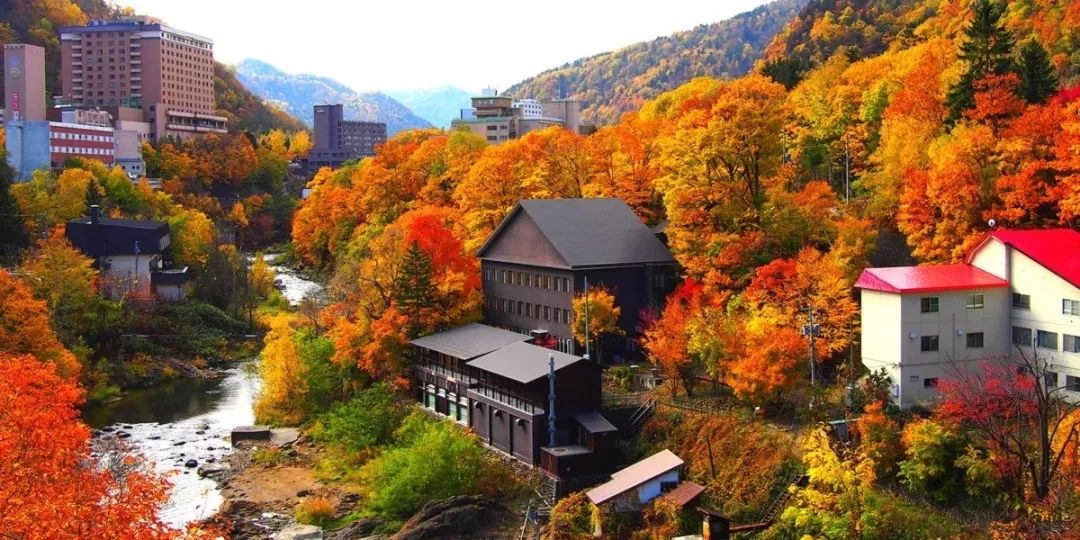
(1016, 288)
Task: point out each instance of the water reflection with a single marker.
(167, 402)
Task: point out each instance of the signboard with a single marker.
(15, 102)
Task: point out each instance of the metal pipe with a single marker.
(551, 399)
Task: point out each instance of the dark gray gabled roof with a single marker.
(108, 236)
(469, 341)
(523, 362)
(591, 232)
(594, 422)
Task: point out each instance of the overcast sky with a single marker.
(410, 44)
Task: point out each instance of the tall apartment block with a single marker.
(501, 118)
(40, 138)
(140, 63)
(338, 140)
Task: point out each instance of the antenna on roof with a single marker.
(992, 223)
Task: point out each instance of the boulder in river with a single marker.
(297, 531)
(191, 463)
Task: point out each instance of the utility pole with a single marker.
(587, 337)
(847, 171)
(811, 330)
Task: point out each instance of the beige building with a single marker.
(1017, 289)
(137, 62)
(501, 118)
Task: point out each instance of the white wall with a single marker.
(1047, 290)
(900, 352)
(651, 489)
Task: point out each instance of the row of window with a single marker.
(973, 340)
(931, 304)
(528, 309)
(458, 406)
(1045, 340)
(77, 150)
(81, 137)
(528, 279)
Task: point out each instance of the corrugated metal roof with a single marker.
(595, 422)
(635, 475)
(1058, 250)
(469, 341)
(523, 362)
(935, 278)
(591, 232)
(684, 493)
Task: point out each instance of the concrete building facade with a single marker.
(138, 62)
(501, 118)
(338, 140)
(1017, 291)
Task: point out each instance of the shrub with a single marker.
(438, 462)
(367, 420)
(270, 455)
(573, 518)
(315, 511)
(932, 450)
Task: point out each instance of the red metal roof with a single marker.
(921, 279)
(685, 493)
(1058, 250)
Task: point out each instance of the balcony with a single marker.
(445, 372)
(504, 397)
(135, 53)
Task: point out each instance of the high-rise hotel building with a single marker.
(140, 63)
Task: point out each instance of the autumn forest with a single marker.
(866, 134)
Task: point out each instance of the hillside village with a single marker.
(837, 296)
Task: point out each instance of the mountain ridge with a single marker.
(612, 83)
(300, 92)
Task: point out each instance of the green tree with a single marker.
(414, 291)
(987, 50)
(1037, 78)
(13, 235)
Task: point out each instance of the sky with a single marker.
(420, 44)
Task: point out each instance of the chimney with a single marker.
(551, 399)
(95, 213)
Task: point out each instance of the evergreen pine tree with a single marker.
(13, 235)
(987, 50)
(413, 289)
(1037, 78)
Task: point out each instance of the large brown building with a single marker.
(338, 140)
(501, 118)
(137, 62)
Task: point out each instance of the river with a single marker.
(186, 419)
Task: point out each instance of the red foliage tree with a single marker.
(50, 486)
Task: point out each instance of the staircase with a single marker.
(638, 418)
(777, 506)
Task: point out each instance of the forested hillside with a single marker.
(613, 83)
(922, 120)
(37, 22)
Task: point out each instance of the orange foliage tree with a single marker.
(24, 327)
(666, 340)
(50, 486)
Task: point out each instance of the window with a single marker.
(975, 301)
(929, 382)
(1046, 340)
(1072, 343)
(1021, 336)
(520, 307)
(1070, 307)
(1072, 384)
(975, 340)
(929, 304)
(1021, 301)
(929, 344)
(528, 310)
(528, 280)
(547, 313)
(502, 276)
(1050, 379)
